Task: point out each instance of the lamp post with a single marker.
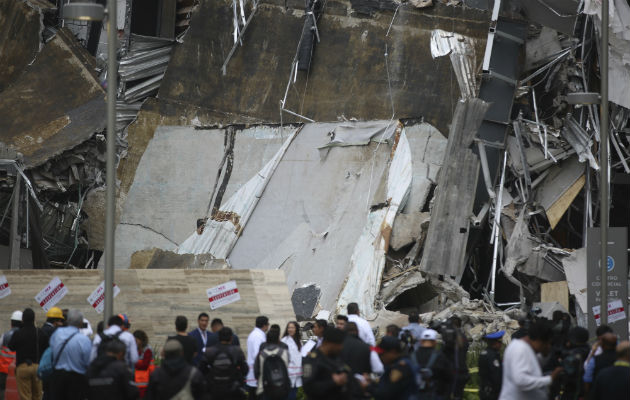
(603, 151)
(96, 12)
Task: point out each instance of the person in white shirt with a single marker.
(318, 330)
(522, 374)
(292, 339)
(254, 340)
(365, 330)
(115, 324)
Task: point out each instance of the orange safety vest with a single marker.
(141, 377)
(7, 357)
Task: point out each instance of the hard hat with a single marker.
(125, 320)
(55, 312)
(16, 316)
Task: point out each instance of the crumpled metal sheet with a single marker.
(462, 53)
(368, 259)
(361, 133)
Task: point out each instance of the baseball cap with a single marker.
(387, 343)
(429, 334)
(16, 316)
(494, 335)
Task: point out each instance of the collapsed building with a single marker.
(421, 155)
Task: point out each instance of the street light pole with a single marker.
(112, 37)
(603, 160)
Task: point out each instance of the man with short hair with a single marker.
(114, 330)
(202, 336)
(108, 375)
(522, 375)
(71, 352)
(188, 343)
(355, 352)
(224, 367)
(613, 383)
(29, 343)
(414, 328)
(254, 340)
(175, 378)
(7, 357)
(325, 376)
(341, 321)
(365, 330)
(607, 357)
(216, 325)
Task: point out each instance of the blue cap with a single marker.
(495, 335)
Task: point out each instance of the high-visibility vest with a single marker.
(141, 377)
(7, 357)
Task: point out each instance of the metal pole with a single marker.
(603, 160)
(14, 236)
(112, 37)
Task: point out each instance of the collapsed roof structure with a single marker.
(400, 155)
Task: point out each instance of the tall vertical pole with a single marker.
(14, 235)
(112, 37)
(603, 161)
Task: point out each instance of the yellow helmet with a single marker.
(55, 312)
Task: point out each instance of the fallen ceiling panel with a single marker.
(176, 176)
(54, 105)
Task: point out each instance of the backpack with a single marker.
(423, 373)
(223, 375)
(105, 340)
(276, 382)
(408, 341)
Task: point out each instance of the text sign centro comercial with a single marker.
(617, 285)
(97, 298)
(5, 290)
(51, 294)
(223, 294)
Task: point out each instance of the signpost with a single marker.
(5, 290)
(222, 295)
(96, 299)
(51, 294)
(617, 285)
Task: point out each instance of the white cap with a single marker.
(16, 316)
(429, 334)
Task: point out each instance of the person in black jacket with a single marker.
(490, 367)
(325, 376)
(608, 356)
(355, 353)
(108, 375)
(439, 382)
(176, 377)
(225, 368)
(613, 383)
(398, 381)
(29, 344)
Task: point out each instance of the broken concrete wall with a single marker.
(21, 28)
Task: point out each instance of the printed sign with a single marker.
(616, 312)
(5, 290)
(97, 298)
(222, 295)
(51, 294)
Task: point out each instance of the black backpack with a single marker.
(408, 341)
(276, 382)
(223, 375)
(106, 340)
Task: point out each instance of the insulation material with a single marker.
(224, 227)
(368, 259)
(575, 271)
(462, 53)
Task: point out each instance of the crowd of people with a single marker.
(341, 360)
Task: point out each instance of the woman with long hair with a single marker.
(291, 338)
(145, 365)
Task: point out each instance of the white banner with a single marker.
(97, 298)
(51, 294)
(616, 312)
(5, 290)
(222, 295)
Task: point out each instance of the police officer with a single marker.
(398, 381)
(325, 376)
(490, 367)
